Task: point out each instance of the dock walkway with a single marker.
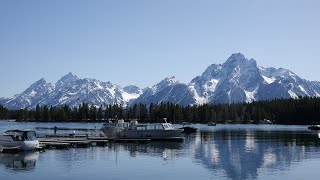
(9, 149)
(63, 142)
(66, 142)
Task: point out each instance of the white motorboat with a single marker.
(23, 140)
(135, 130)
(314, 127)
(266, 121)
(188, 128)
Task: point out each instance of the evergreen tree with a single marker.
(37, 113)
(100, 113)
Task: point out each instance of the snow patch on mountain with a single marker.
(303, 90)
(250, 96)
(198, 98)
(127, 97)
(268, 80)
(292, 94)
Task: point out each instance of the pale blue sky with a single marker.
(143, 41)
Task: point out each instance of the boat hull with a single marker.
(189, 129)
(315, 127)
(8, 142)
(170, 135)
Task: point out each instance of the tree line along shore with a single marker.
(302, 110)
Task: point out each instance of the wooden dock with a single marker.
(54, 145)
(66, 142)
(63, 142)
(10, 149)
(15, 150)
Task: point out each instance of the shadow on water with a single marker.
(25, 161)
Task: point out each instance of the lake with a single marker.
(217, 152)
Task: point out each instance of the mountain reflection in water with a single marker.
(241, 154)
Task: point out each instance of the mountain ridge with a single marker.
(238, 79)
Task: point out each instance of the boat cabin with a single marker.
(19, 135)
(158, 126)
(118, 123)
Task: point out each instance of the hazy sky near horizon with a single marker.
(141, 42)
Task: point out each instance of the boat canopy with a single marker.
(21, 135)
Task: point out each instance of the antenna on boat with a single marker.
(165, 120)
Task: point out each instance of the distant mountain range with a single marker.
(237, 80)
(72, 91)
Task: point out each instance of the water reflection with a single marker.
(166, 150)
(221, 152)
(243, 154)
(19, 162)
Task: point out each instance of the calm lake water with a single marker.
(220, 152)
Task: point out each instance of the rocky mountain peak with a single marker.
(236, 59)
(40, 85)
(41, 81)
(212, 71)
(67, 79)
(166, 82)
(171, 79)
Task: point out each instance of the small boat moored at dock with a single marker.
(314, 127)
(188, 128)
(18, 139)
(212, 124)
(266, 121)
(134, 130)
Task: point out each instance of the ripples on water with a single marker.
(221, 152)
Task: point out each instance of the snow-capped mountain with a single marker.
(237, 80)
(72, 91)
(168, 90)
(241, 80)
(32, 96)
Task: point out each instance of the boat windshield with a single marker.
(29, 136)
(164, 126)
(167, 126)
(149, 127)
(111, 125)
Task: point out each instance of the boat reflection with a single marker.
(166, 150)
(24, 161)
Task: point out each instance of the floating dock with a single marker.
(9, 149)
(65, 142)
(54, 145)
